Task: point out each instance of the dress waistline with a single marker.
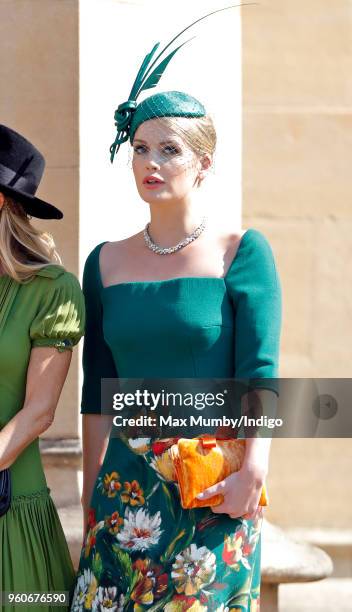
(25, 499)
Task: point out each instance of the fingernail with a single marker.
(199, 496)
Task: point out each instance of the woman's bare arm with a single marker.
(95, 433)
(47, 371)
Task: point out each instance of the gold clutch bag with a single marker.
(202, 462)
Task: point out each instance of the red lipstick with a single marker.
(152, 182)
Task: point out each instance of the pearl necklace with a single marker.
(167, 250)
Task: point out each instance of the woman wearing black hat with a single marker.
(41, 319)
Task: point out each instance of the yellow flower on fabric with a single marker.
(92, 589)
(164, 466)
(197, 607)
(111, 484)
(132, 494)
(113, 522)
(85, 591)
(181, 603)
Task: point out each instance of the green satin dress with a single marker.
(142, 551)
(47, 311)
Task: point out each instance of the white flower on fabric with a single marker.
(140, 530)
(139, 445)
(121, 602)
(193, 569)
(106, 600)
(86, 585)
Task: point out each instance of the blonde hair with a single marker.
(23, 249)
(197, 132)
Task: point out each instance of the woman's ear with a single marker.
(205, 164)
(2, 200)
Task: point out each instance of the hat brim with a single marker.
(32, 205)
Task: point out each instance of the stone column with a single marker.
(39, 99)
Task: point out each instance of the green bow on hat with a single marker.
(129, 116)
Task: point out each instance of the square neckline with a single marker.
(172, 279)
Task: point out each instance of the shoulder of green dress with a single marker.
(253, 237)
(254, 246)
(91, 272)
(94, 253)
(50, 271)
(253, 263)
(55, 277)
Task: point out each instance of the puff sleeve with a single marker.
(60, 318)
(255, 290)
(98, 361)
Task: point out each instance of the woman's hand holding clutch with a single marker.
(241, 490)
(208, 470)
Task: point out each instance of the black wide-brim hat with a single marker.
(21, 170)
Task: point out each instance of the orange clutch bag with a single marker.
(202, 462)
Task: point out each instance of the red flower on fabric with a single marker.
(237, 549)
(151, 585)
(91, 518)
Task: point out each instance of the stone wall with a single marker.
(39, 99)
(297, 98)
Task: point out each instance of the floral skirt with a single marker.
(142, 551)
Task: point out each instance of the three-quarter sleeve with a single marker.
(255, 290)
(98, 361)
(60, 318)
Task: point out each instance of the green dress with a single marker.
(47, 311)
(142, 551)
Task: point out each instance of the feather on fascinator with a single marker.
(129, 115)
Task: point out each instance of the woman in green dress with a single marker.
(177, 300)
(41, 319)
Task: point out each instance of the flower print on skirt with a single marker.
(142, 551)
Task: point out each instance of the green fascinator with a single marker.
(165, 104)
(129, 115)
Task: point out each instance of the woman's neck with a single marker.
(168, 227)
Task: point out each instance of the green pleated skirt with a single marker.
(34, 552)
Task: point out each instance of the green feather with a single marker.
(187, 28)
(154, 78)
(141, 72)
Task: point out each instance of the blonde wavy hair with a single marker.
(23, 249)
(198, 133)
